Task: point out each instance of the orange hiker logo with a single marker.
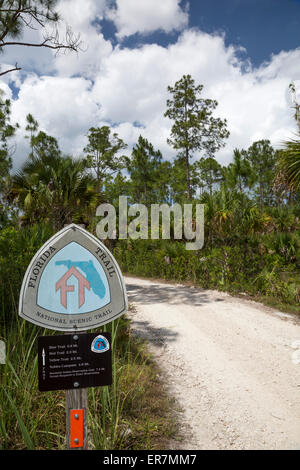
(65, 288)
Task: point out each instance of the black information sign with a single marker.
(74, 361)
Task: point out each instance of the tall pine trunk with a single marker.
(188, 178)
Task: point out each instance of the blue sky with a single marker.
(262, 27)
(244, 52)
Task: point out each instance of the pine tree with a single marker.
(194, 127)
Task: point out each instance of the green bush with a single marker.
(17, 247)
(252, 265)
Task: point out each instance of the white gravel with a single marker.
(232, 364)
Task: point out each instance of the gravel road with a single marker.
(232, 364)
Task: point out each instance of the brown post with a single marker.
(77, 399)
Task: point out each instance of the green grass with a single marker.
(133, 413)
(27, 417)
(250, 268)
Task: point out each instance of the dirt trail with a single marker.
(232, 364)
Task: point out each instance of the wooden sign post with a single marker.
(77, 419)
(73, 284)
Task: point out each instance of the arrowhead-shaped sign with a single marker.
(72, 283)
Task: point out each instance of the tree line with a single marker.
(60, 188)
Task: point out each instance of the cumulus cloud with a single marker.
(31, 59)
(84, 17)
(63, 107)
(78, 16)
(133, 88)
(133, 85)
(136, 16)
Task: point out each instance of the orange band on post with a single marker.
(76, 429)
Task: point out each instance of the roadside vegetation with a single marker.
(133, 413)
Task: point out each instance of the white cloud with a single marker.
(62, 104)
(81, 17)
(279, 64)
(63, 107)
(79, 13)
(34, 59)
(133, 83)
(136, 16)
(84, 17)
(133, 87)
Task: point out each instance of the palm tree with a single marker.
(289, 164)
(54, 188)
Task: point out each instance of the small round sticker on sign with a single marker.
(100, 344)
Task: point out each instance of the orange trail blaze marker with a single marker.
(76, 429)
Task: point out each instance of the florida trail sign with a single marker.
(73, 284)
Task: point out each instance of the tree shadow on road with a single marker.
(157, 336)
(172, 295)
